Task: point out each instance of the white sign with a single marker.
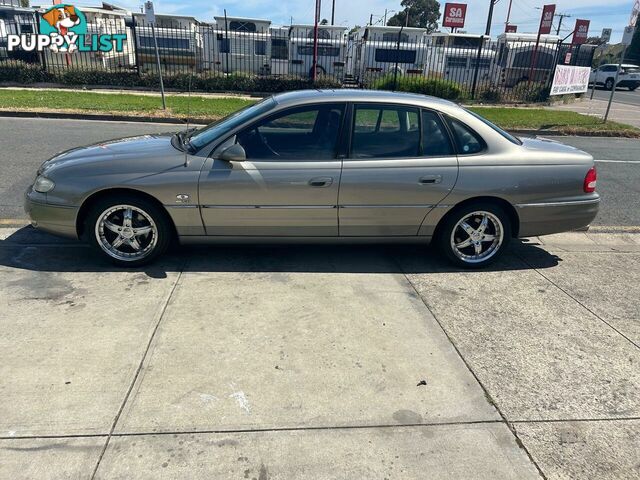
(150, 16)
(627, 36)
(605, 36)
(569, 79)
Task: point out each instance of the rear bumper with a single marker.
(56, 219)
(629, 83)
(555, 217)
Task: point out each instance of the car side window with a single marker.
(435, 139)
(304, 133)
(468, 141)
(385, 131)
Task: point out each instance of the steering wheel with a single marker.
(264, 142)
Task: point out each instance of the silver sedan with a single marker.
(319, 166)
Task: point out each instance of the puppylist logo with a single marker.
(63, 28)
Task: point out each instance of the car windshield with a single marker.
(506, 135)
(206, 135)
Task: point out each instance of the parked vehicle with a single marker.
(315, 165)
(384, 50)
(279, 50)
(332, 47)
(629, 76)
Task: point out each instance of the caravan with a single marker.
(453, 56)
(332, 48)
(237, 44)
(382, 50)
(518, 58)
(179, 43)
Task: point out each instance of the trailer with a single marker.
(15, 20)
(382, 50)
(279, 50)
(332, 48)
(237, 44)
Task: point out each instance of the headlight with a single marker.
(43, 184)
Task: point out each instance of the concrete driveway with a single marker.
(320, 362)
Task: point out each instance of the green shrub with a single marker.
(530, 92)
(427, 86)
(489, 95)
(21, 72)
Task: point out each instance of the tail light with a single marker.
(590, 181)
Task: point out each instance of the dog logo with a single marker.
(65, 21)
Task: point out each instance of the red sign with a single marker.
(454, 14)
(580, 32)
(547, 19)
(511, 29)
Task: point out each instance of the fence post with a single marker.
(134, 40)
(395, 70)
(477, 69)
(41, 55)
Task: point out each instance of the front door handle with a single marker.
(430, 179)
(321, 181)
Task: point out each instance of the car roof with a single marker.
(623, 65)
(348, 95)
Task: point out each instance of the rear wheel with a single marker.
(475, 235)
(608, 84)
(129, 231)
(632, 89)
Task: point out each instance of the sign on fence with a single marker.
(580, 32)
(511, 29)
(546, 21)
(570, 79)
(605, 36)
(454, 14)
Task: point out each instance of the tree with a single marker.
(595, 41)
(421, 13)
(24, 3)
(324, 22)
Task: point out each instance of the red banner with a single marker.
(547, 19)
(454, 14)
(580, 32)
(511, 29)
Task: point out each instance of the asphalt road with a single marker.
(26, 143)
(622, 95)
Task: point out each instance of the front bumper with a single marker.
(56, 219)
(556, 217)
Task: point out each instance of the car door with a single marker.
(288, 184)
(401, 164)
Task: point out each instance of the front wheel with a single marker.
(632, 89)
(608, 85)
(129, 231)
(475, 235)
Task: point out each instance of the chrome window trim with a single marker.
(558, 204)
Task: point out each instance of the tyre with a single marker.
(320, 72)
(475, 235)
(608, 84)
(632, 89)
(128, 230)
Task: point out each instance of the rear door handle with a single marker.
(321, 181)
(430, 179)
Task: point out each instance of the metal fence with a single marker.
(460, 67)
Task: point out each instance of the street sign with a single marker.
(548, 11)
(605, 36)
(627, 36)
(580, 32)
(150, 16)
(511, 29)
(454, 15)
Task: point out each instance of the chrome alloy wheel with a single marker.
(477, 237)
(126, 233)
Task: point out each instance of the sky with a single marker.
(612, 14)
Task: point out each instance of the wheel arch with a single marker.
(514, 219)
(86, 205)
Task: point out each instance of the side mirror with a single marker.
(233, 153)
